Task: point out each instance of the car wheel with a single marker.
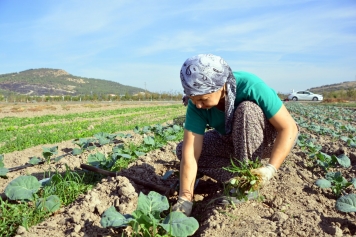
(295, 98)
(315, 99)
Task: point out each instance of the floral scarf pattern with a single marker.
(207, 73)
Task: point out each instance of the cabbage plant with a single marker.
(346, 203)
(146, 220)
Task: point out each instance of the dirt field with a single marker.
(39, 109)
(293, 205)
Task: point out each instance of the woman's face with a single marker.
(207, 101)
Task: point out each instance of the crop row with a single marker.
(8, 122)
(29, 136)
(48, 194)
(331, 164)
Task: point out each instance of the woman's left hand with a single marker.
(264, 173)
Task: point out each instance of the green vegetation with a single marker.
(338, 123)
(245, 182)
(38, 200)
(346, 203)
(336, 182)
(16, 136)
(146, 220)
(62, 189)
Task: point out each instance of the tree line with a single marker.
(165, 96)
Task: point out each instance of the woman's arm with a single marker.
(192, 146)
(287, 134)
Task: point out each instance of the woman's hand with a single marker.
(287, 134)
(183, 205)
(192, 146)
(264, 174)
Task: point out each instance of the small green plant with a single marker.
(3, 170)
(336, 182)
(100, 160)
(35, 160)
(326, 161)
(245, 182)
(84, 144)
(146, 220)
(48, 152)
(346, 203)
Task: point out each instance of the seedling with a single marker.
(246, 182)
(336, 182)
(105, 138)
(3, 170)
(326, 161)
(100, 160)
(146, 220)
(346, 203)
(84, 144)
(35, 160)
(48, 152)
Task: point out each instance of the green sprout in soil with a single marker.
(245, 182)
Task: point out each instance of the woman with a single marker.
(248, 118)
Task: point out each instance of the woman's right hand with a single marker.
(191, 150)
(183, 206)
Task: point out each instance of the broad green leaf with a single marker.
(170, 138)
(96, 159)
(22, 188)
(343, 160)
(49, 204)
(49, 151)
(353, 181)
(3, 171)
(149, 141)
(177, 128)
(346, 203)
(323, 183)
(91, 148)
(45, 181)
(152, 203)
(77, 151)
(344, 138)
(103, 141)
(127, 156)
(143, 219)
(112, 218)
(332, 176)
(139, 153)
(58, 158)
(178, 224)
(35, 160)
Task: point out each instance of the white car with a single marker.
(304, 95)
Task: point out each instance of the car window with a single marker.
(306, 92)
(300, 92)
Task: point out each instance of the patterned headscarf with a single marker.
(207, 73)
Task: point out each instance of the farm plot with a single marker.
(293, 203)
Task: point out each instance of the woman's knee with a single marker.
(248, 106)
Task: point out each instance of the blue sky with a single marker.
(289, 44)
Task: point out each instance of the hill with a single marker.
(46, 81)
(346, 85)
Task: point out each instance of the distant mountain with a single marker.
(46, 81)
(346, 85)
